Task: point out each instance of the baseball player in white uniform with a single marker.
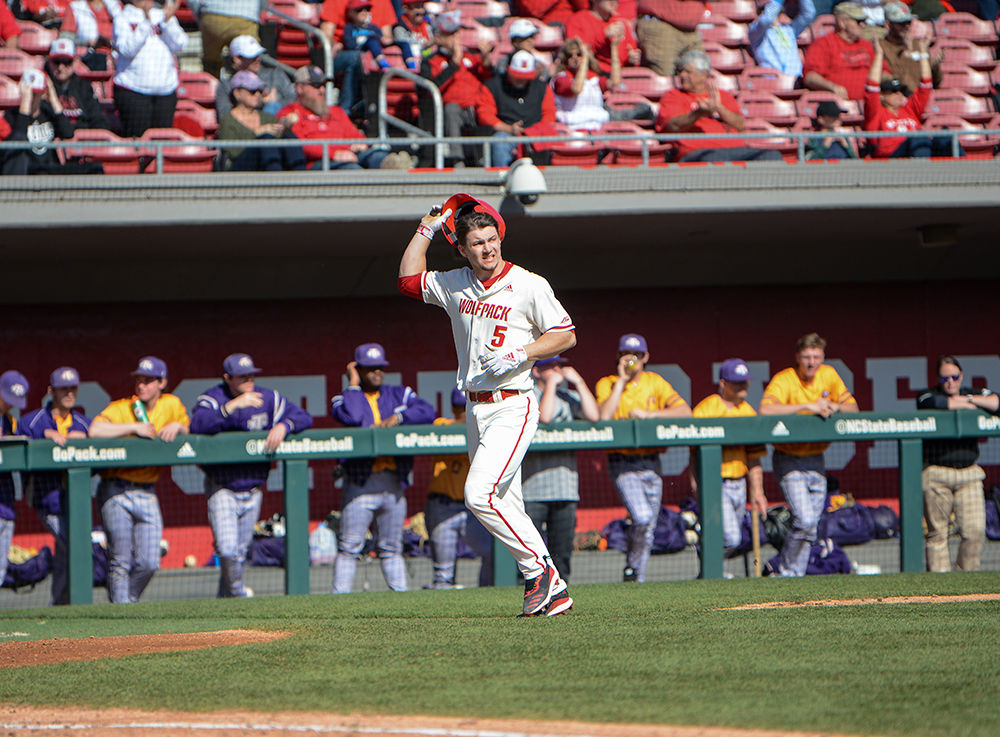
(503, 319)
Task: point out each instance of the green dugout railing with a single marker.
(81, 458)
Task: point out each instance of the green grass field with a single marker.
(660, 653)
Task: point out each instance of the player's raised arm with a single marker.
(414, 260)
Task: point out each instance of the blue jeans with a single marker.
(924, 147)
(503, 152)
(348, 63)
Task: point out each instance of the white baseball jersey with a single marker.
(506, 312)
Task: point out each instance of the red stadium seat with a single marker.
(965, 25)
(977, 146)
(961, 77)
(475, 34)
(962, 104)
(13, 62)
(781, 142)
(724, 59)
(627, 101)
(766, 106)
(481, 9)
(963, 51)
(582, 151)
(823, 25)
(760, 79)
(292, 46)
(10, 95)
(645, 82)
(203, 116)
(198, 86)
(192, 158)
(741, 11)
(724, 31)
(185, 17)
(548, 37)
(806, 105)
(300, 11)
(36, 39)
(630, 152)
(120, 159)
(728, 82)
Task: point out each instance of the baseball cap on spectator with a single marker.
(554, 361)
(246, 80)
(35, 79)
(632, 343)
(14, 389)
(246, 47)
(63, 377)
(894, 85)
(457, 398)
(239, 364)
(62, 48)
(151, 366)
(830, 109)
(734, 370)
(522, 28)
(310, 75)
(449, 22)
(358, 4)
(896, 12)
(851, 10)
(370, 355)
(522, 66)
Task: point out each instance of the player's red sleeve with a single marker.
(411, 286)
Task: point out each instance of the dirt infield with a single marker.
(44, 652)
(933, 599)
(18, 721)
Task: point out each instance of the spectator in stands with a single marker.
(774, 35)
(235, 490)
(247, 54)
(666, 29)
(890, 106)
(809, 387)
(952, 479)
(39, 118)
(550, 12)
(246, 121)
(633, 392)
(597, 28)
(833, 145)
(310, 117)
(579, 88)
(126, 497)
(90, 23)
(448, 519)
(80, 105)
(13, 394)
(516, 104)
(550, 483)
(47, 13)
(10, 37)
(460, 80)
(58, 421)
(220, 21)
(415, 32)
(839, 61)
(901, 48)
(373, 487)
(147, 39)
(741, 468)
(333, 18)
(522, 34)
(696, 105)
(361, 33)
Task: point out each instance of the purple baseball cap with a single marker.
(632, 343)
(370, 355)
(247, 80)
(63, 377)
(14, 389)
(239, 364)
(734, 370)
(151, 366)
(457, 398)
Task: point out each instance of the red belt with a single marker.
(487, 397)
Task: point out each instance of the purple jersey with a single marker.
(47, 486)
(209, 417)
(7, 425)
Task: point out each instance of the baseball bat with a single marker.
(755, 537)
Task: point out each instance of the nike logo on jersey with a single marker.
(483, 309)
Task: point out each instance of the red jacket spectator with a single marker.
(907, 118)
(549, 11)
(592, 29)
(310, 125)
(459, 83)
(682, 14)
(678, 102)
(10, 31)
(335, 12)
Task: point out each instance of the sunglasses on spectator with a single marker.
(61, 62)
(574, 53)
(951, 377)
(317, 85)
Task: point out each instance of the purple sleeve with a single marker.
(418, 411)
(292, 415)
(207, 417)
(352, 409)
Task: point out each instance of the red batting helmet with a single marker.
(461, 204)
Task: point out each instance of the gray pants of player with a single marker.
(130, 514)
(448, 521)
(640, 487)
(6, 536)
(803, 482)
(380, 500)
(232, 516)
(734, 506)
(959, 491)
(56, 525)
